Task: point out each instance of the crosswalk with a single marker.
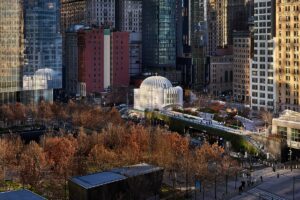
(264, 194)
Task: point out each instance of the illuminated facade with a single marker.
(12, 49)
(72, 12)
(288, 127)
(157, 92)
(262, 70)
(287, 54)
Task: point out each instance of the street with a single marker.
(271, 188)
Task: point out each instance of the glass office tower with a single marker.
(11, 51)
(159, 34)
(43, 48)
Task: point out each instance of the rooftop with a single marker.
(136, 170)
(115, 175)
(97, 179)
(289, 115)
(20, 195)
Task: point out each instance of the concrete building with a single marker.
(287, 54)
(159, 36)
(11, 51)
(129, 15)
(242, 54)
(288, 127)
(221, 73)
(129, 19)
(157, 92)
(101, 12)
(96, 60)
(262, 71)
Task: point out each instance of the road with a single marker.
(274, 188)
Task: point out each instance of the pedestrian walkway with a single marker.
(264, 194)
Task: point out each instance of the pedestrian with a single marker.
(261, 178)
(277, 175)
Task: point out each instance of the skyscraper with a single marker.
(42, 71)
(72, 12)
(262, 77)
(129, 18)
(101, 12)
(242, 54)
(159, 35)
(287, 54)
(12, 49)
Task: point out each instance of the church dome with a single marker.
(156, 82)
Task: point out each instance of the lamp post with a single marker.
(213, 169)
(290, 154)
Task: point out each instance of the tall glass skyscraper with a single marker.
(30, 54)
(159, 34)
(43, 48)
(11, 50)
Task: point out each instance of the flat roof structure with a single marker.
(20, 195)
(98, 179)
(136, 170)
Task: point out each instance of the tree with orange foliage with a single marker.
(10, 151)
(6, 114)
(45, 113)
(101, 159)
(32, 164)
(60, 153)
(19, 111)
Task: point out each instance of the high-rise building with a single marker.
(217, 24)
(199, 44)
(31, 62)
(101, 12)
(242, 54)
(239, 16)
(262, 72)
(96, 60)
(287, 54)
(221, 73)
(12, 49)
(129, 15)
(129, 18)
(72, 12)
(159, 35)
(42, 71)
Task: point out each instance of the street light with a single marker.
(213, 169)
(290, 154)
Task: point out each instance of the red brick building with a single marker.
(103, 60)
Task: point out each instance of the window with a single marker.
(282, 131)
(295, 135)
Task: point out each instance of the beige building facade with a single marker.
(287, 54)
(288, 127)
(242, 53)
(220, 74)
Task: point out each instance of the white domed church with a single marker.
(157, 92)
